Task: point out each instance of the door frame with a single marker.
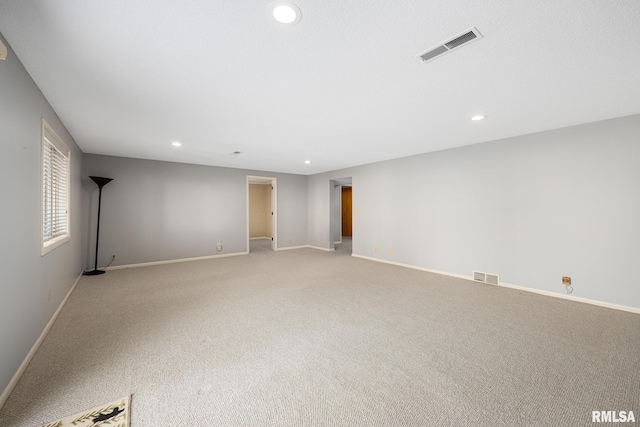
(335, 208)
(252, 179)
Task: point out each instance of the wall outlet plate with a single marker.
(566, 280)
(3, 51)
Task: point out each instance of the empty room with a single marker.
(296, 213)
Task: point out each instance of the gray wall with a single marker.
(27, 277)
(155, 211)
(530, 208)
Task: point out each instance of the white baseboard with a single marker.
(306, 247)
(508, 285)
(288, 248)
(320, 249)
(173, 261)
(413, 267)
(16, 377)
(572, 298)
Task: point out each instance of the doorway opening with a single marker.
(262, 215)
(346, 212)
(342, 217)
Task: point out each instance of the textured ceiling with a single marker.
(343, 87)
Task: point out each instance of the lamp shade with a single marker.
(100, 180)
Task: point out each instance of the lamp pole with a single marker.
(101, 182)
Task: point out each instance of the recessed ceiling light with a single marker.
(477, 118)
(307, 162)
(176, 144)
(285, 12)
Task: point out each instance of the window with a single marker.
(55, 190)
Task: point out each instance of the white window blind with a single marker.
(55, 190)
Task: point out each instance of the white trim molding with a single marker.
(573, 298)
(321, 249)
(23, 366)
(174, 261)
(288, 248)
(508, 285)
(306, 247)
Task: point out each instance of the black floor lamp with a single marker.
(101, 183)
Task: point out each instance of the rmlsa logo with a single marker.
(612, 417)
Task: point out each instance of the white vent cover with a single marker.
(455, 42)
(492, 279)
(488, 278)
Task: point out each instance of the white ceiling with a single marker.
(343, 87)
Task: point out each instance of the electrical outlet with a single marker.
(377, 250)
(390, 251)
(49, 295)
(566, 280)
(3, 51)
(219, 246)
(113, 257)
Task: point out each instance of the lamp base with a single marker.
(93, 272)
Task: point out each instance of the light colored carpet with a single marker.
(260, 245)
(345, 245)
(312, 338)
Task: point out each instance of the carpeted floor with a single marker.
(345, 245)
(260, 245)
(312, 338)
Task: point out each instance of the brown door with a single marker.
(346, 211)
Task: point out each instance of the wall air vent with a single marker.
(492, 279)
(479, 277)
(450, 44)
(488, 278)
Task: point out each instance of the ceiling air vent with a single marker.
(453, 43)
